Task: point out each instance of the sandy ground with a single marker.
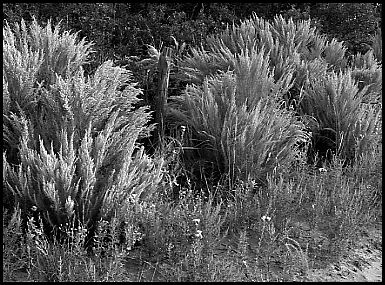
(362, 264)
(351, 271)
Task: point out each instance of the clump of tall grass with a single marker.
(291, 47)
(346, 126)
(293, 54)
(41, 53)
(368, 72)
(377, 45)
(245, 135)
(34, 57)
(234, 107)
(75, 138)
(254, 35)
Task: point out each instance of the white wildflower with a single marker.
(199, 234)
(322, 170)
(197, 221)
(264, 218)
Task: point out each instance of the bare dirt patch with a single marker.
(361, 263)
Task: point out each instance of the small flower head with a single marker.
(34, 208)
(199, 234)
(322, 170)
(196, 221)
(264, 218)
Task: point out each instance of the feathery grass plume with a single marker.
(6, 99)
(92, 182)
(244, 136)
(314, 48)
(305, 72)
(33, 57)
(301, 32)
(70, 99)
(63, 54)
(239, 49)
(346, 126)
(377, 45)
(368, 72)
(251, 36)
(92, 101)
(20, 59)
(334, 55)
(289, 40)
(309, 70)
(40, 54)
(75, 137)
(97, 176)
(288, 44)
(255, 77)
